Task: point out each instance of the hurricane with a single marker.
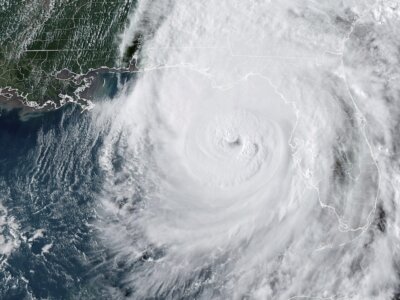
(254, 155)
(251, 153)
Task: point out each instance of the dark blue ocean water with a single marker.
(49, 179)
(45, 187)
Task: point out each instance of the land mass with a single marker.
(57, 51)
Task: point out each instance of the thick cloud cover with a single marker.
(256, 154)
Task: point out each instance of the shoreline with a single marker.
(85, 88)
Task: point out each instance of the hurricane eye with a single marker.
(235, 143)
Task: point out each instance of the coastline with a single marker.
(85, 89)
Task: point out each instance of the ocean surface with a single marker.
(252, 153)
(47, 198)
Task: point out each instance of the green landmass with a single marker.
(39, 38)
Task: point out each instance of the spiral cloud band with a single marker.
(255, 155)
